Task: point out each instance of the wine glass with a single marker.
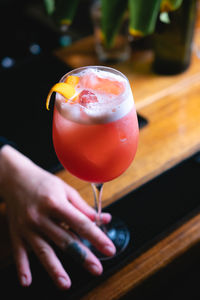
(95, 135)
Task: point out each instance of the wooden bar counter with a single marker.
(171, 104)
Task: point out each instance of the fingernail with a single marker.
(24, 280)
(107, 217)
(63, 282)
(95, 269)
(109, 250)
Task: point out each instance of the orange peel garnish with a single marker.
(65, 89)
(72, 80)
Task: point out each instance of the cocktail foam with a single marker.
(113, 93)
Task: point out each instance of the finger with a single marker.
(74, 197)
(106, 218)
(69, 243)
(22, 261)
(84, 256)
(84, 227)
(58, 233)
(50, 261)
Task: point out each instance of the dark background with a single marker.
(28, 70)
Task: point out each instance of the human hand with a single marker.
(41, 209)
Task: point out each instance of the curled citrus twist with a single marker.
(65, 89)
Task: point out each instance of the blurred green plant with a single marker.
(143, 14)
(62, 11)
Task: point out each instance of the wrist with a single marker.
(5, 151)
(12, 165)
(15, 168)
(5, 157)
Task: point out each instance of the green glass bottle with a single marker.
(173, 41)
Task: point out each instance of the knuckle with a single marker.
(43, 252)
(55, 272)
(54, 207)
(74, 192)
(32, 217)
(52, 202)
(84, 227)
(48, 203)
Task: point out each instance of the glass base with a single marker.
(119, 234)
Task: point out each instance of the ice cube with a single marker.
(86, 97)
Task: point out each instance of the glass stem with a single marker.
(97, 190)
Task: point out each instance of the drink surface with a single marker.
(95, 134)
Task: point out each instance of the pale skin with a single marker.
(42, 208)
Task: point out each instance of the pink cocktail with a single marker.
(95, 133)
